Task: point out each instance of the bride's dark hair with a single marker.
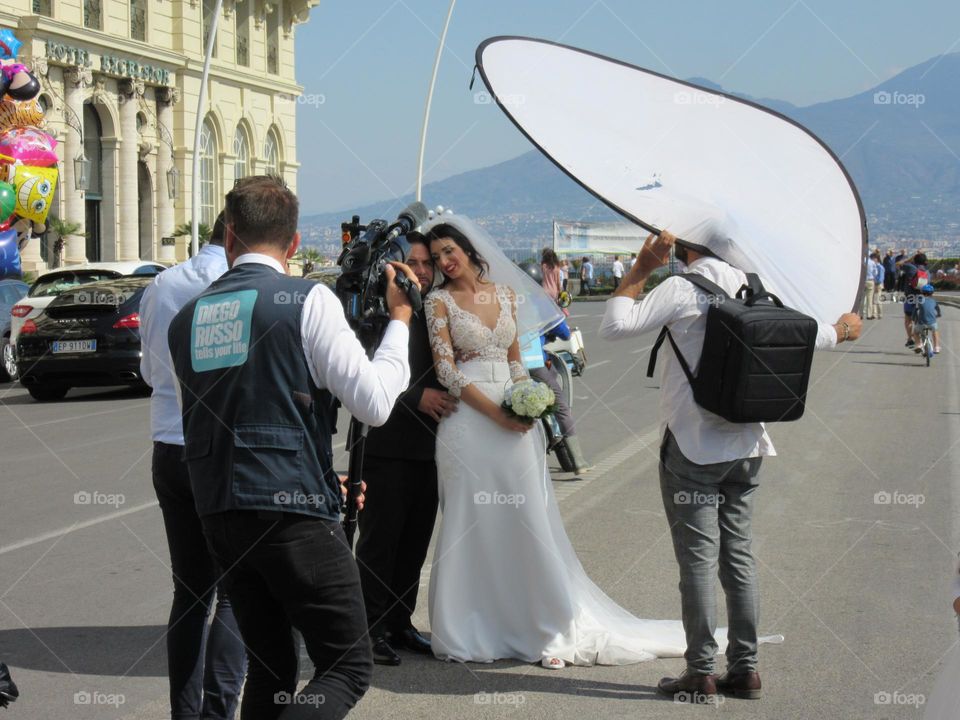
(446, 230)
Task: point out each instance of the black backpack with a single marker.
(756, 358)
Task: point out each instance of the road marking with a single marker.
(77, 526)
(640, 350)
(632, 447)
(598, 364)
(86, 415)
(566, 489)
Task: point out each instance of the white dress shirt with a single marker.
(337, 361)
(702, 436)
(618, 269)
(161, 301)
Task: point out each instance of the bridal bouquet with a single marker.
(529, 400)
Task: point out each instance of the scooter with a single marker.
(569, 359)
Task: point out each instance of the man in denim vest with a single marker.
(260, 358)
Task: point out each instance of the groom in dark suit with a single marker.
(401, 498)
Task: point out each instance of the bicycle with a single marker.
(925, 334)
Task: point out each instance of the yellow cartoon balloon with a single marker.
(34, 188)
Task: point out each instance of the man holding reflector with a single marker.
(709, 466)
(751, 195)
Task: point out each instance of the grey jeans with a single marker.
(710, 509)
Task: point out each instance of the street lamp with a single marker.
(81, 169)
(173, 182)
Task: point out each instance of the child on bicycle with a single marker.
(925, 314)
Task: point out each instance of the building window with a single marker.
(241, 149)
(208, 175)
(91, 14)
(93, 151)
(243, 32)
(270, 155)
(208, 7)
(273, 39)
(138, 20)
(42, 7)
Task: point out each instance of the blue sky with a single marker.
(365, 67)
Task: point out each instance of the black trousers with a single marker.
(288, 571)
(205, 666)
(395, 528)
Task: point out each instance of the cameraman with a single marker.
(259, 357)
(400, 470)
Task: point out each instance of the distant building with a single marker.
(120, 82)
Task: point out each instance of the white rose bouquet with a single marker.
(529, 400)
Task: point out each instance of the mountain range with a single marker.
(900, 141)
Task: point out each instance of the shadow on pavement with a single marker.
(915, 363)
(133, 651)
(77, 396)
(428, 676)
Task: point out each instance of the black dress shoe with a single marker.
(411, 639)
(383, 654)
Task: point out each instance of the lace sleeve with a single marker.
(438, 327)
(518, 371)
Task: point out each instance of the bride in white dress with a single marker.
(506, 582)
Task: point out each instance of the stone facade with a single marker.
(121, 80)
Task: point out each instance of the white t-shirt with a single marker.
(618, 269)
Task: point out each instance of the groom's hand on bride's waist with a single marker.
(437, 404)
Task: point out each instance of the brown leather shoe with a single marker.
(744, 685)
(689, 687)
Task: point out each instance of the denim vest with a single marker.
(257, 430)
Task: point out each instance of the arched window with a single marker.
(208, 175)
(271, 159)
(241, 149)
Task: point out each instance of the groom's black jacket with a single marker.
(410, 434)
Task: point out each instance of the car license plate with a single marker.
(74, 346)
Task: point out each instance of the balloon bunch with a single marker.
(28, 158)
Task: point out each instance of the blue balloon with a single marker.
(10, 266)
(9, 45)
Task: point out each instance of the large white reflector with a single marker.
(756, 188)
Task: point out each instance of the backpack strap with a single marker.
(665, 333)
(709, 287)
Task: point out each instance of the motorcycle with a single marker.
(568, 359)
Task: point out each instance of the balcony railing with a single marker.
(138, 20)
(243, 51)
(91, 14)
(273, 60)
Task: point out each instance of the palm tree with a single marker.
(61, 229)
(310, 257)
(203, 231)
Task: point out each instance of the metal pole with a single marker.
(201, 101)
(426, 111)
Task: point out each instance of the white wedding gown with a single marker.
(506, 582)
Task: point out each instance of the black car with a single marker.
(88, 336)
(11, 290)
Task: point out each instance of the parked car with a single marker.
(51, 284)
(87, 336)
(11, 291)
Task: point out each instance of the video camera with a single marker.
(362, 285)
(362, 288)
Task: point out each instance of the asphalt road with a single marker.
(857, 585)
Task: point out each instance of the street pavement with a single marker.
(855, 534)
